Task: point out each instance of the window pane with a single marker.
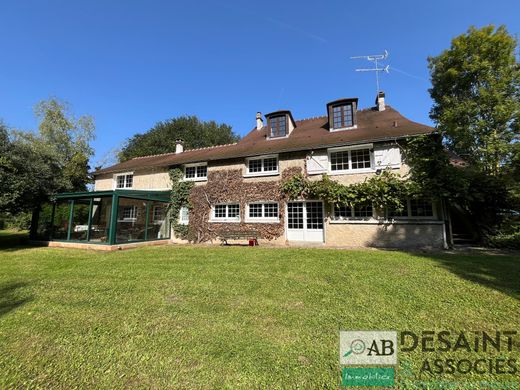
(202, 171)
(339, 161)
(421, 208)
(314, 215)
(363, 211)
(278, 126)
(255, 166)
(342, 212)
(190, 172)
(158, 221)
(360, 158)
(120, 181)
(342, 116)
(131, 220)
(220, 211)
(255, 211)
(393, 213)
(129, 181)
(270, 164)
(185, 214)
(80, 220)
(271, 210)
(101, 219)
(233, 210)
(295, 215)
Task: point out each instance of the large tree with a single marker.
(35, 166)
(161, 138)
(476, 94)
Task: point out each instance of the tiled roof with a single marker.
(311, 133)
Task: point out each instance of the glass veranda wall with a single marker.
(111, 217)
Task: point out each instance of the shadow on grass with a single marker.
(11, 297)
(10, 239)
(499, 272)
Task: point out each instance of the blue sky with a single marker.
(130, 64)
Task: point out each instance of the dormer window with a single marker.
(342, 114)
(278, 126)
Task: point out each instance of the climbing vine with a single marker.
(180, 197)
(385, 190)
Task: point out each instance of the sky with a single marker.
(130, 64)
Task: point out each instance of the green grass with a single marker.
(228, 317)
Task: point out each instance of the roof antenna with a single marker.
(374, 58)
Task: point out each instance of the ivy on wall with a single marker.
(180, 197)
(384, 190)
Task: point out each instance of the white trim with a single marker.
(348, 171)
(196, 178)
(352, 215)
(262, 172)
(332, 130)
(409, 216)
(262, 219)
(180, 220)
(116, 175)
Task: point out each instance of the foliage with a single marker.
(161, 138)
(476, 93)
(180, 197)
(385, 190)
(234, 317)
(35, 166)
(505, 240)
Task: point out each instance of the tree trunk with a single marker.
(33, 232)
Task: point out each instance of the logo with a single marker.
(368, 347)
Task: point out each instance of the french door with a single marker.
(305, 221)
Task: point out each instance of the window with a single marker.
(262, 166)
(342, 212)
(159, 213)
(129, 213)
(125, 181)
(413, 208)
(226, 213)
(421, 208)
(351, 160)
(196, 172)
(260, 212)
(184, 215)
(342, 116)
(278, 126)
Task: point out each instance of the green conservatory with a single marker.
(110, 217)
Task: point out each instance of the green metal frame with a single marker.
(149, 196)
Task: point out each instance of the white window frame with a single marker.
(131, 219)
(263, 218)
(125, 174)
(155, 220)
(349, 149)
(181, 220)
(196, 178)
(262, 172)
(352, 215)
(225, 219)
(408, 216)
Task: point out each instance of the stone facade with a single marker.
(372, 233)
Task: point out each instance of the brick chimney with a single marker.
(380, 101)
(179, 146)
(259, 121)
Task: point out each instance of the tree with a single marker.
(35, 166)
(161, 138)
(476, 94)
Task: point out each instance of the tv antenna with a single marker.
(374, 58)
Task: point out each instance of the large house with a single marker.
(237, 186)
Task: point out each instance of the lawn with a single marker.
(228, 317)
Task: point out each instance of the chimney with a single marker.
(259, 121)
(179, 146)
(380, 101)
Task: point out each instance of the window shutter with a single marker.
(317, 163)
(387, 156)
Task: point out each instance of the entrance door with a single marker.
(305, 221)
